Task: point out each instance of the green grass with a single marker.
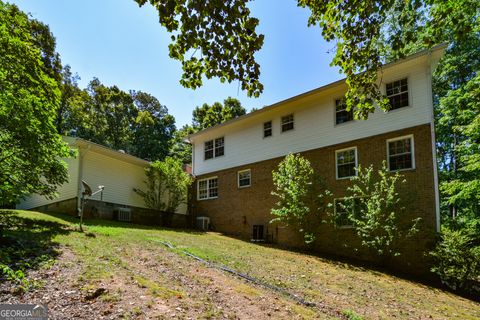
(357, 292)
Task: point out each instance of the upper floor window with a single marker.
(214, 148)
(244, 178)
(346, 162)
(400, 153)
(287, 123)
(267, 129)
(207, 188)
(397, 93)
(341, 113)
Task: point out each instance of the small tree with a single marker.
(294, 182)
(167, 185)
(374, 208)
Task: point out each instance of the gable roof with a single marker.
(438, 48)
(116, 154)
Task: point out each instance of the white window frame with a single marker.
(281, 122)
(335, 113)
(412, 144)
(346, 226)
(336, 162)
(249, 178)
(214, 148)
(271, 129)
(408, 92)
(208, 188)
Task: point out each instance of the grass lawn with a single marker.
(140, 277)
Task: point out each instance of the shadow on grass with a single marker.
(119, 224)
(26, 243)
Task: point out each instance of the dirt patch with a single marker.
(152, 284)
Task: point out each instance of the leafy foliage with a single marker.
(457, 256)
(30, 147)
(208, 116)
(221, 31)
(167, 185)
(293, 183)
(375, 208)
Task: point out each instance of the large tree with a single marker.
(30, 148)
(208, 116)
(218, 38)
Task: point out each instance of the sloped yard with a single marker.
(121, 270)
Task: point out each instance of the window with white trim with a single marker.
(214, 148)
(400, 153)
(267, 129)
(397, 93)
(287, 122)
(346, 163)
(341, 113)
(344, 208)
(244, 178)
(207, 188)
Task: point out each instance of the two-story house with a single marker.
(233, 161)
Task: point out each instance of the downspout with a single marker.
(81, 154)
(434, 149)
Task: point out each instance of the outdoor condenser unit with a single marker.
(203, 223)
(124, 214)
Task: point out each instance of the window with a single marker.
(397, 93)
(287, 123)
(214, 148)
(346, 162)
(267, 129)
(341, 113)
(400, 153)
(343, 208)
(244, 178)
(207, 188)
(257, 232)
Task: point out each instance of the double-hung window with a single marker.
(214, 148)
(288, 123)
(345, 208)
(341, 113)
(244, 178)
(397, 93)
(346, 163)
(207, 188)
(400, 153)
(267, 129)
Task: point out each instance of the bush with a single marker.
(457, 257)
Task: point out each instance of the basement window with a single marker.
(258, 233)
(207, 188)
(397, 93)
(287, 123)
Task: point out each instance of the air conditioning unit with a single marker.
(124, 214)
(203, 223)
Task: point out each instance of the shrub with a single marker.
(457, 256)
(374, 207)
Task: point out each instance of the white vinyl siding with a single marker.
(66, 191)
(314, 125)
(118, 177)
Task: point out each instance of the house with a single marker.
(233, 161)
(98, 165)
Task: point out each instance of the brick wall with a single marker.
(236, 210)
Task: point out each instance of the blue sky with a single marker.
(124, 45)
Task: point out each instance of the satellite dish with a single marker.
(86, 189)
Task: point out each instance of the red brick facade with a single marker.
(236, 210)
